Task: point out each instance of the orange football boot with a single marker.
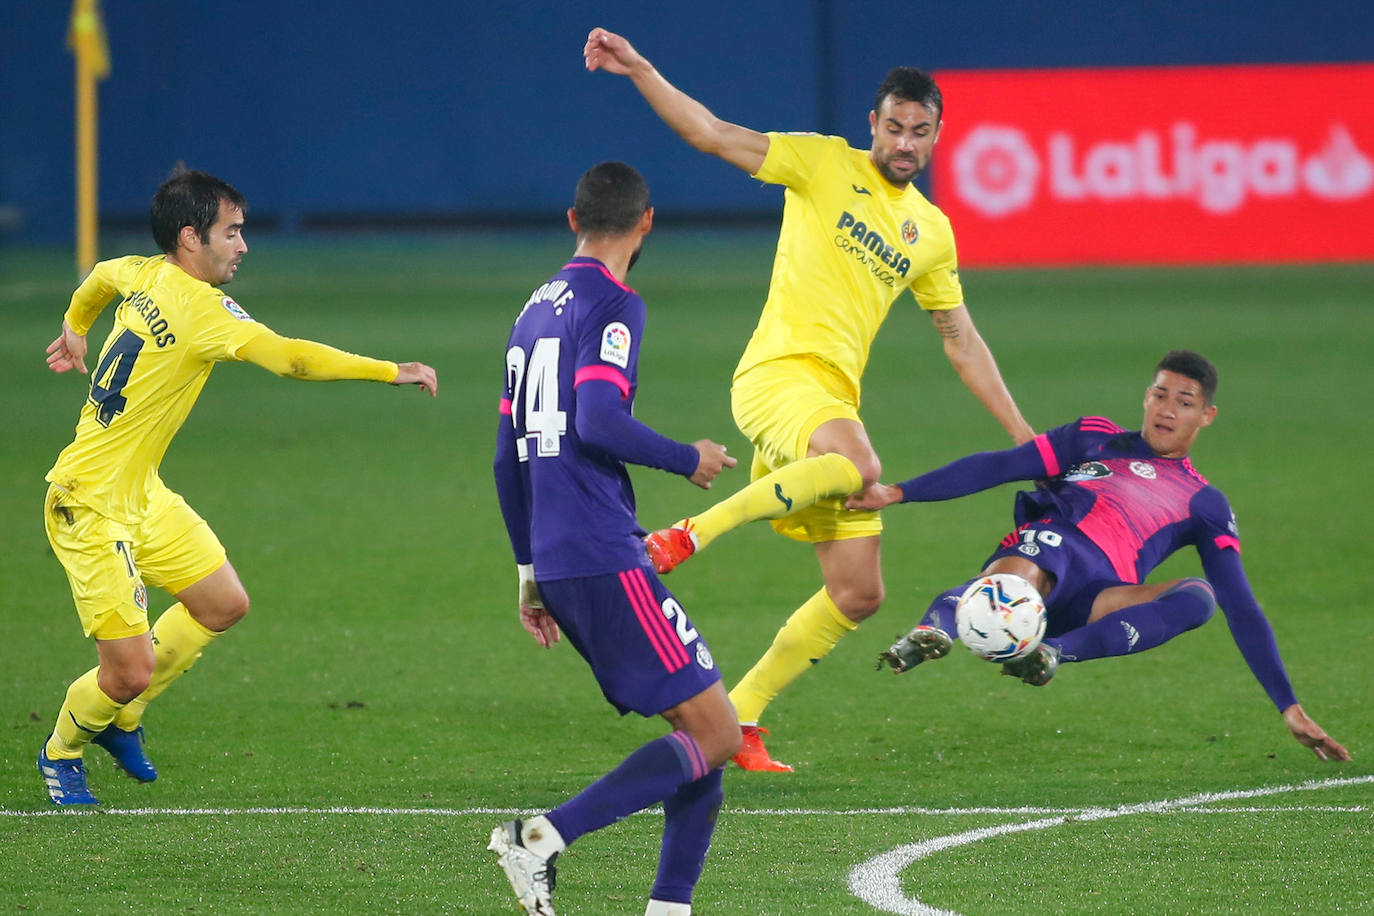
(754, 756)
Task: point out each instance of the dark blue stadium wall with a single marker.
(326, 112)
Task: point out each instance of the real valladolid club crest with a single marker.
(909, 232)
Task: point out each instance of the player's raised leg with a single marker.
(774, 495)
(1157, 613)
(204, 610)
(814, 450)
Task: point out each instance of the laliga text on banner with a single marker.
(998, 171)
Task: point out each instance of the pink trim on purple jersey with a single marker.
(1188, 466)
(693, 752)
(603, 374)
(1226, 540)
(602, 267)
(1042, 442)
(505, 407)
(1100, 425)
(652, 621)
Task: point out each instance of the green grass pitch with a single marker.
(349, 746)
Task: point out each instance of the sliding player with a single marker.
(1114, 506)
(112, 522)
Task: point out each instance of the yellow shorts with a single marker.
(779, 405)
(107, 562)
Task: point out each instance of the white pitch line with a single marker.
(877, 882)
(1192, 805)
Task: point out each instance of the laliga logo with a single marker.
(997, 171)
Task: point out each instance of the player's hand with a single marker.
(1312, 735)
(878, 496)
(417, 374)
(540, 624)
(610, 52)
(711, 459)
(68, 351)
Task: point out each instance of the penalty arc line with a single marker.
(877, 881)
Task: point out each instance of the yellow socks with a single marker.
(85, 713)
(807, 637)
(789, 489)
(178, 639)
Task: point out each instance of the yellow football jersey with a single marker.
(850, 243)
(169, 331)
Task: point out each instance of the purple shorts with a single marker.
(643, 649)
(1080, 569)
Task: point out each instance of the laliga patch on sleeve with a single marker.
(615, 344)
(233, 308)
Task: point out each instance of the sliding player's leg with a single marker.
(1133, 618)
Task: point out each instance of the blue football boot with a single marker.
(65, 779)
(127, 750)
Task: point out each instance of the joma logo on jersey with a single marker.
(875, 243)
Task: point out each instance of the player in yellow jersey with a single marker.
(855, 234)
(111, 520)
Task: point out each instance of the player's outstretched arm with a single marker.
(1310, 734)
(971, 358)
(317, 362)
(693, 121)
(711, 461)
(878, 496)
(68, 351)
(417, 374)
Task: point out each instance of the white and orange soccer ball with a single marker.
(1000, 617)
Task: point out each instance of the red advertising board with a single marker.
(1176, 165)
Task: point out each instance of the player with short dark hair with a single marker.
(855, 234)
(908, 84)
(1111, 505)
(190, 198)
(112, 522)
(566, 434)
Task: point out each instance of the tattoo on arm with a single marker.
(945, 325)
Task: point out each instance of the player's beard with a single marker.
(634, 257)
(899, 181)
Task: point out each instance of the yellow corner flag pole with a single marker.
(87, 41)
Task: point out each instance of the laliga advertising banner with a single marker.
(1184, 165)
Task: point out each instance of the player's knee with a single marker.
(724, 742)
(221, 614)
(238, 608)
(858, 601)
(123, 682)
(231, 610)
(1201, 600)
(869, 466)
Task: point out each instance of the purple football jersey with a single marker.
(581, 325)
(1137, 507)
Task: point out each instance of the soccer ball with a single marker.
(1000, 617)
